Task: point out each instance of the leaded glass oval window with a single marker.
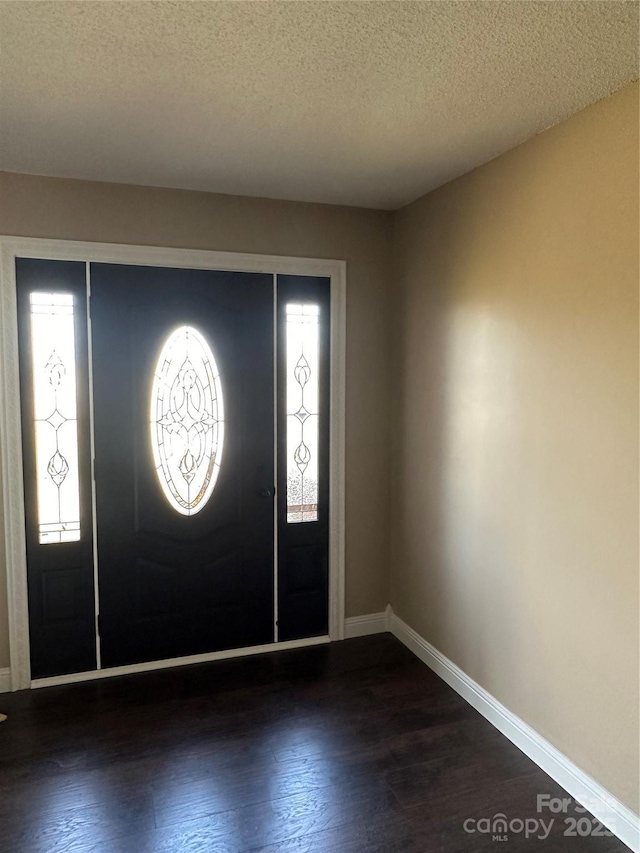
(187, 420)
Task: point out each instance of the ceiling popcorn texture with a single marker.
(356, 103)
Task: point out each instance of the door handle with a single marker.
(266, 493)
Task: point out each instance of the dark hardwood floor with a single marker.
(354, 747)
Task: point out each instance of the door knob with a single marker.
(266, 493)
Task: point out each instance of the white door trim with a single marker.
(10, 428)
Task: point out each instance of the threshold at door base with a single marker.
(149, 666)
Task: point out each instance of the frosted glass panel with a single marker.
(55, 414)
(302, 412)
(187, 420)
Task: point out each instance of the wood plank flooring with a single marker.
(353, 747)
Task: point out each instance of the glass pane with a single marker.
(55, 414)
(187, 420)
(302, 412)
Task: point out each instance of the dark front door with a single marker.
(183, 395)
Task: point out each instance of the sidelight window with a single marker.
(55, 416)
(302, 365)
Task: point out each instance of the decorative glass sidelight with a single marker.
(187, 420)
(55, 416)
(302, 361)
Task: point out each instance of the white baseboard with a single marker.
(5, 680)
(604, 806)
(370, 623)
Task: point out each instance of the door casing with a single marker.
(11, 440)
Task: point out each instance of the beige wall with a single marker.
(113, 213)
(515, 488)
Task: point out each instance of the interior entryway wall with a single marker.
(515, 486)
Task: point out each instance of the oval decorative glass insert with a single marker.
(187, 420)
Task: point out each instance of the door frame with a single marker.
(11, 434)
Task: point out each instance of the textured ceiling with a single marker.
(360, 103)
